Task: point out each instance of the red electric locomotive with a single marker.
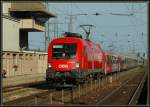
(72, 59)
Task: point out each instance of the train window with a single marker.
(108, 59)
(112, 59)
(57, 46)
(64, 51)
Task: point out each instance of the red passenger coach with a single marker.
(120, 63)
(72, 59)
(108, 64)
(114, 63)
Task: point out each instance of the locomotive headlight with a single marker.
(49, 65)
(77, 64)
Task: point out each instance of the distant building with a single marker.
(20, 18)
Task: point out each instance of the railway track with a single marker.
(81, 94)
(14, 87)
(127, 93)
(21, 93)
(136, 95)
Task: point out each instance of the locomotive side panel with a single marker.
(95, 57)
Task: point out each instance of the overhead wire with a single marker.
(90, 19)
(93, 21)
(133, 24)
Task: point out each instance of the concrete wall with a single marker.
(32, 25)
(6, 7)
(10, 34)
(22, 63)
(34, 6)
(10, 38)
(42, 63)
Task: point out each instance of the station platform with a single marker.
(23, 79)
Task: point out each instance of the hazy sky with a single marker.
(125, 33)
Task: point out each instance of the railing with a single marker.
(21, 63)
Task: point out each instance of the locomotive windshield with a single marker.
(64, 51)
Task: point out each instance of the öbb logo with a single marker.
(62, 66)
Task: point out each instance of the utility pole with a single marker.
(87, 31)
(55, 22)
(45, 37)
(46, 34)
(46, 28)
(55, 29)
(70, 26)
(71, 23)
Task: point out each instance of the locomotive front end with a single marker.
(63, 62)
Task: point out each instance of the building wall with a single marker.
(12, 26)
(14, 61)
(22, 63)
(10, 36)
(42, 63)
(6, 7)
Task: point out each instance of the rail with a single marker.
(135, 97)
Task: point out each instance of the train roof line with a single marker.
(121, 54)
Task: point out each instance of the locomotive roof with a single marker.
(120, 54)
(69, 34)
(67, 38)
(74, 39)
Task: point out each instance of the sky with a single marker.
(119, 33)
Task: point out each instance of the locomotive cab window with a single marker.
(64, 51)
